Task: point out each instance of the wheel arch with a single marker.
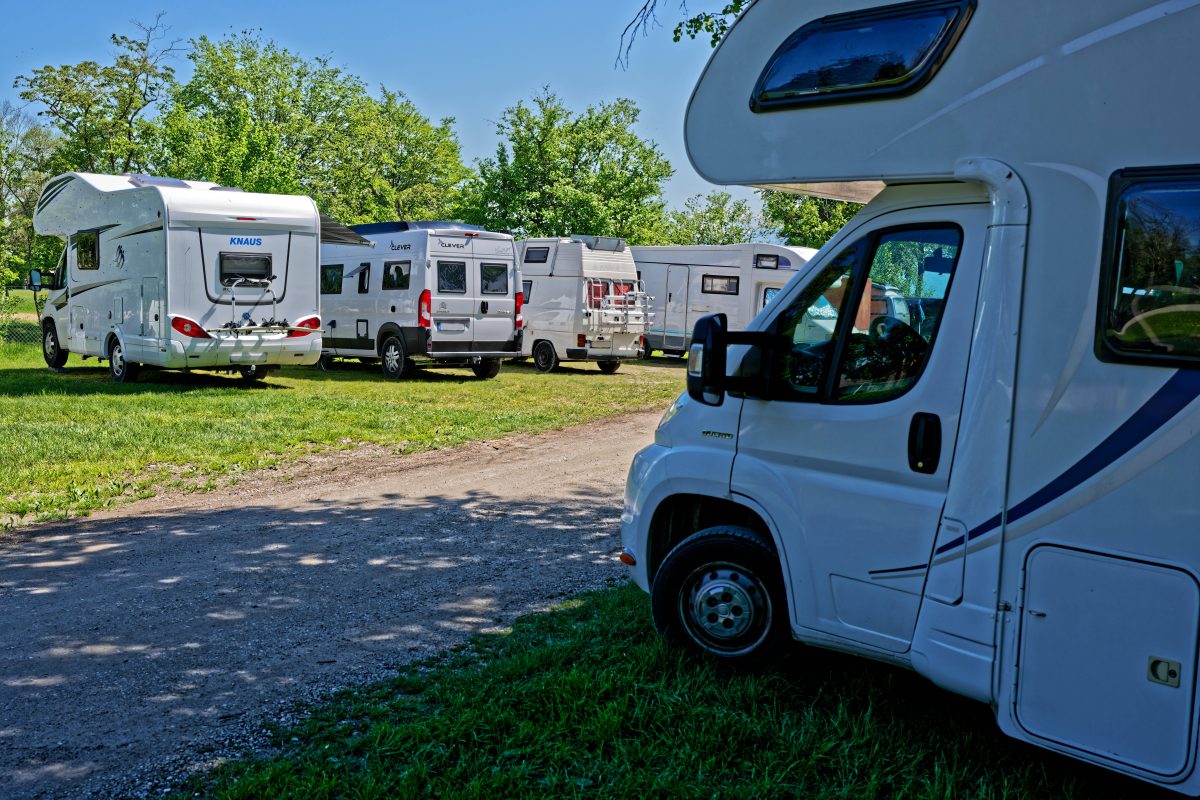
(386, 330)
(679, 516)
(113, 336)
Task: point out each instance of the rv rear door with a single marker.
(495, 307)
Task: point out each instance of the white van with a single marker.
(1004, 500)
(178, 274)
(433, 290)
(583, 302)
(687, 282)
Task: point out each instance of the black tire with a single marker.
(608, 367)
(544, 357)
(719, 593)
(52, 350)
(392, 360)
(486, 368)
(120, 369)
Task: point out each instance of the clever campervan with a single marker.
(178, 274)
(441, 291)
(1004, 500)
(686, 282)
(583, 302)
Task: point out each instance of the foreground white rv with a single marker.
(687, 282)
(583, 302)
(179, 274)
(1005, 500)
(437, 290)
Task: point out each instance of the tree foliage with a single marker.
(713, 219)
(712, 23)
(803, 221)
(27, 158)
(260, 117)
(557, 172)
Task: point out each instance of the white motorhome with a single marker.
(1004, 501)
(179, 274)
(437, 290)
(687, 282)
(583, 302)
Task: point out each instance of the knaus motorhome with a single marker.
(179, 274)
(1004, 500)
(687, 282)
(438, 290)
(583, 302)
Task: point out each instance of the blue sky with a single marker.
(468, 59)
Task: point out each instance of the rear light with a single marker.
(519, 321)
(189, 328)
(581, 340)
(310, 324)
(425, 309)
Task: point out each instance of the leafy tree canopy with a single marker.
(803, 221)
(557, 172)
(715, 219)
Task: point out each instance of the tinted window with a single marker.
(364, 279)
(493, 278)
(243, 268)
(769, 293)
(331, 279)
(1151, 308)
(452, 277)
(396, 274)
(715, 284)
(527, 289)
(87, 250)
(879, 52)
(536, 255)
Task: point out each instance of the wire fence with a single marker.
(19, 330)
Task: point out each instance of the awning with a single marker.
(334, 232)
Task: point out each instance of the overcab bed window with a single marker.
(1150, 302)
(862, 55)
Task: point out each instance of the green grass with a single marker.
(25, 301)
(75, 441)
(585, 701)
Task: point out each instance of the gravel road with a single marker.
(154, 639)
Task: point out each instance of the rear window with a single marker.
(493, 278)
(716, 284)
(1150, 308)
(396, 274)
(331, 278)
(452, 277)
(881, 52)
(244, 268)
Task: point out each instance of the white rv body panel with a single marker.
(1048, 565)
(143, 252)
(675, 278)
(370, 294)
(584, 300)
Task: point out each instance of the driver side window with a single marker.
(871, 318)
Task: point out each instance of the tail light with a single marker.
(581, 340)
(189, 328)
(425, 309)
(519, 320)
(310, 324)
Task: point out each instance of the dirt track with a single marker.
(146, 641)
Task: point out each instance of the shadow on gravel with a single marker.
(128, 640)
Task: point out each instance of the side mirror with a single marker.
(706, 381)
(35, 280)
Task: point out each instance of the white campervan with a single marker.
(179, 274)
(1004, 500)
(583, 302)
(438, 290)
(687, 282)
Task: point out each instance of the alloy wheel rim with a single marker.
(391, 358)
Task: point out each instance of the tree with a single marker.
(257, 116)
(27, 161)
(803, 221)
(556, 172)
(713, 23)
(715, 219)
(99, 110)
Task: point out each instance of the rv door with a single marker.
(851, 438)
(675, 330)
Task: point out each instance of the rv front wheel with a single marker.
(719, 593)
(51, 350)
(608, 367)
(120, 369)
(391, 357)
(544, 357)
(486, 368)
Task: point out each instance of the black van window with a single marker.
(452, 277)
(331, 278)
(396, 274)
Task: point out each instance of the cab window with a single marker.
(863, 329)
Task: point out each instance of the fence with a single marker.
(18, 320)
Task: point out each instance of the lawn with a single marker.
(75, 441)
(585, 701)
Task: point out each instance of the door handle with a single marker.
(924, 443)
(483, 307)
